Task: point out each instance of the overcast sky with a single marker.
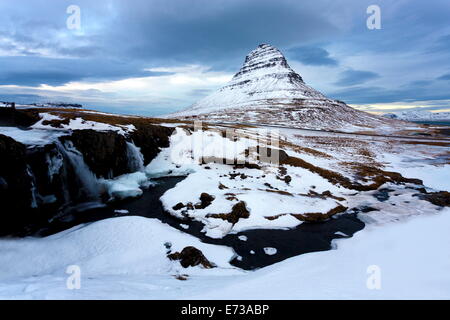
(157, 56)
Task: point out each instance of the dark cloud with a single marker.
(354, 77)
(315, 56)
(119, 39)
(22, 98)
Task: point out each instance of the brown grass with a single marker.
(317, 216)
(299, 149)
(90, 115)
(428, 143)
(362, 171)
(284, 193)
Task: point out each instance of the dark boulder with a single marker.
(205, 200)
(238, 211)
(191, 257)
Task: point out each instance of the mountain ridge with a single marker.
(418, 115)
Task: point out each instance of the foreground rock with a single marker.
(191, 257)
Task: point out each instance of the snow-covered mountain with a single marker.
(267, 90)
(418, 115)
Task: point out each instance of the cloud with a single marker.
(444, 77)
(130, 95)
(365, 95)
(315, 56)
(354, 77)
(119, 41)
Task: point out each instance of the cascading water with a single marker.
(89, 185)
(33, 188)
(135, 157)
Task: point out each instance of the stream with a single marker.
(249, 245)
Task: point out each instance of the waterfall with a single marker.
(89, 186)
(135, 157)
(33, 188)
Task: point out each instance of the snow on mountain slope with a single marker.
(418, 115)
(267, 90)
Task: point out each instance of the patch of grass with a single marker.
(317, 216)
(284, 193)
(378, 176)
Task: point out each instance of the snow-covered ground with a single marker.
(404, 246)
(124, 258)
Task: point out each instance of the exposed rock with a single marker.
(21, 118)
(205, 199)
(104, 152)
(16, 197)
(151, 138)
(191, 257)
(222, 187)
(238, 211)
(178, 206)
(441, 198)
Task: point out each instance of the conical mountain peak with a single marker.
(265, 59)
(267, 90)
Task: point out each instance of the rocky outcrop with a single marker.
(441, 198)
(20, 118)
(238, 211)
(16, 196)
(150, 139)
(191, 257)
(39, 183)
(104, 152)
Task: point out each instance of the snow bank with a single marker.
(412, 258)
(118, 246)
(31, 137)
(125, 258)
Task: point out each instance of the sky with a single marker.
(153, 57)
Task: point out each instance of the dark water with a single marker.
(307, 237)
